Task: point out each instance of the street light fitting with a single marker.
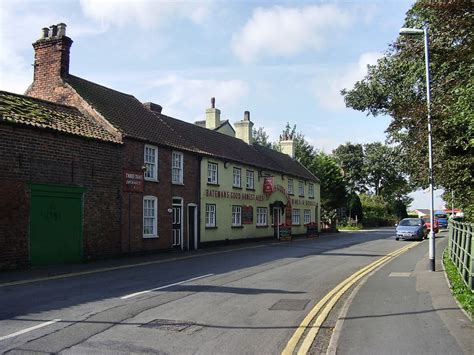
(411, 31)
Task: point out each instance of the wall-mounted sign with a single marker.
(247, 215)
(132, 180)
(268, 185)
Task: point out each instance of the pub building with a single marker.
(250, 191)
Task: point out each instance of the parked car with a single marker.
(442, 219)
(428, 224)
(411, 228)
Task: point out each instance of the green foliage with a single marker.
(354, 207)
(396, 86)
(333, 189)
(377, 211)
(261, 137)
(350, 158)
(458, 288)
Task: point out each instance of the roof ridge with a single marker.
(52, 103)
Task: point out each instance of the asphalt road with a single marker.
(246, 299)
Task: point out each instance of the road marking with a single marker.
(29, 329)
(399, 274)
(163, 287)
(328, 302)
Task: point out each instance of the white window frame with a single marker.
(301, 188)
(290, 186)
(236, 216)
(212, 175)
(262, 216)
(237, 178)
(211, 217)
(295, 217)
(153, 217)
(151, 165)
(250, 178)
(307, 216)
(177, 167)
(311, 191)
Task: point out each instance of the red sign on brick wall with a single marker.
(132, 180)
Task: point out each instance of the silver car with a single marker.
(411, 228)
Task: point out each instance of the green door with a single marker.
(55, 224)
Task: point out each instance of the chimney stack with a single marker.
(51, 61)
(243, 129)
(288, 145)
(153, 107)
(213, 116)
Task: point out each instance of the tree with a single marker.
(395, 86)
(261, 137)
(333, 188)
(354, 207)
(350, 158)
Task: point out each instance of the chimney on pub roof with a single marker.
(51, 60)
(213, 115)
(288, 145)
(243, 129)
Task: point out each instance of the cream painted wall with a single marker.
(224, 196)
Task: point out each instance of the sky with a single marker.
(284, 61)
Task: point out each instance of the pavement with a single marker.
(403, 308)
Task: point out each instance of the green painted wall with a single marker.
(224, 196)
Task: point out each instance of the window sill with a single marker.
(177, 183)
(211, 227)
(213, 184)
(262, 226)
(237, 227)
(311, 198)
(291, 194)
(151, 180)
(249, 189)
(237, 187)
(301, 196)
(150, 237)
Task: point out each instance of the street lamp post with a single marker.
(424, 32)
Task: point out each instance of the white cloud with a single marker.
(188, 98)
(143, 13)
(327, 89)
(281, 31)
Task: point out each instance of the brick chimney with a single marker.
(243, 129)
(213, 116)
(51, 61)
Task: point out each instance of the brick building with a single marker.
(57, 168)
(159, 168)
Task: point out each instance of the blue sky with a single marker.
(284, 61)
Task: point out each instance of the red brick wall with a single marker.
(163, 190)
(39, 156)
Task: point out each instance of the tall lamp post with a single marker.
(424, 32)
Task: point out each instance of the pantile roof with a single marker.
(129, 115)
(25, 110)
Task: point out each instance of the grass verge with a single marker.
(460, 291)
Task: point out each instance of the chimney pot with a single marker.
(213, 102)
(247, 116)
(61, 29)
(53, 30)
(44, 32)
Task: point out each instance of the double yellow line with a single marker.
(328, 303)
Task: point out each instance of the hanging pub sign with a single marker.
(132, 180)
(247, 215)
(267, 185)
